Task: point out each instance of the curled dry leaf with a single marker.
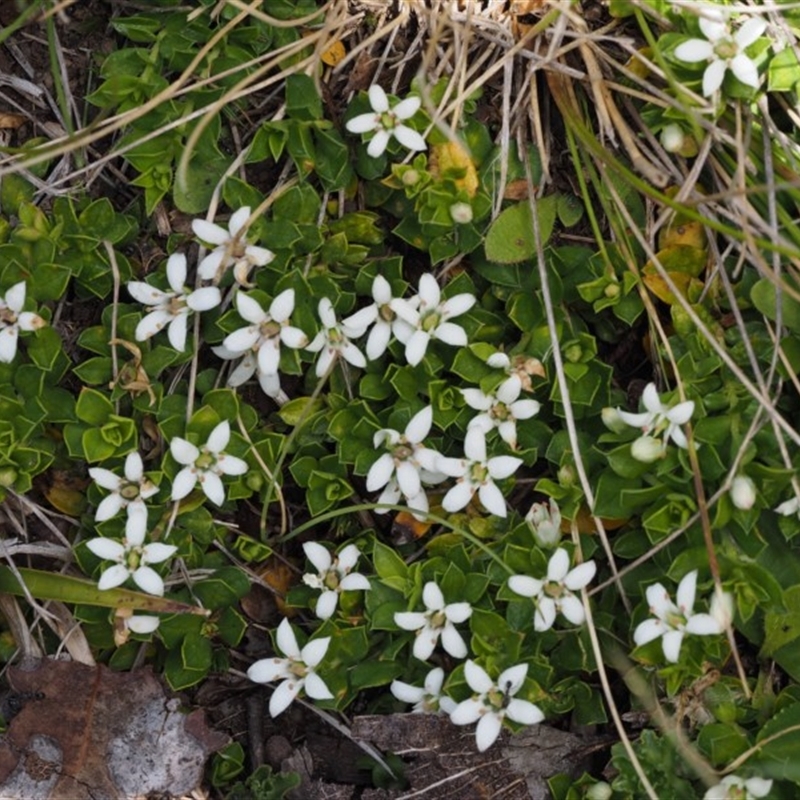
(88, 732)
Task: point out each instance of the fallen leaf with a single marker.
(334, 54)
(451, 160)
(85, 733)
(12, 121)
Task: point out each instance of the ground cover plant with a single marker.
(366, 358)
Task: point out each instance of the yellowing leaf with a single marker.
(686, 285)
(688, 233)
(334, 54)
(451, 160)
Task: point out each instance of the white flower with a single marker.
(406, 465)
(545, 523)
(127, 492)
(732, 787)
(501, 410)
(476, 473)
(672, 621)
(296, 671)
(428, 698)
(426, 317)
(789, 508)
(387, 121)
(334, 575)
(673, 138)
(334, 338)
(384, 319)
(205, 464)
(743, 492)
(132, 559)
(13, 320)
(171, 308)
(246, 368)
(520, 369)
(231, 248)
(658, 419)
(267, 331)
(494, 702)
(437, 620)
(723, 49)
(554, 593)
(142, 623)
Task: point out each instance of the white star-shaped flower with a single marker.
(723, 49)
(296, 671)
(554, 593)
(384, 321)
(732, 787)
(387, 121)
(231, 248)
(246, 368)
(334, 575)
(205, 464)
(520, 370)
(333, 341)
(171, 308)
(406, 465)
(501, 410)
(672, 621)
(428, 698)
(132, 558)
(476, 473)
(127, 492)
(266, 332)
(427, 317)
(656, 421)
(437, 620)
(13, 320)
(494, 702)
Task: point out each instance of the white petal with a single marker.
(134, 468)
(501, 467)
(458, 497)
(745, 70)
(453, 643)
(176, 272)
(432, 597)
(105, 478)
(316, 689)
(326, 313)
(293, 337)
(156, 552)
(152, 324)
(558, 566)
(142, 623)
(267, 670)
(681, 413)
(686, 592)
(113, 577)
(467, 712)
(381, 290)
(458, 612)
(450, 333)
(694, 50)
(525, 409)
(713, 76)
(183, 452)
(406, 109)
(203, 299)
(406, 693)
(489, 726)
(476, 399)
(269, 357)
(659, 601)
(425, 643)
(286, 640)
(648, 630)
(353, 355)
(433, 681)
(209, 232)
(210, 265)
(107, 549)
(313, 653)
(109, 507)
(212, 487)
(408, 479)
(15, 297)
(355, 582)
(148, 580)
(378, 100)
(458, 304)
(219, 437)
(357, 324)
(409, 138)
(348, 557)
(703, 625)
(524, 712)
(671, 644)
(283, 695)
(409, 620)
(238, 220)
(242, 340)
(363, 123)
(416, 347)
(581, 576)
(136, 524)
(477, 678)
(524, 585)
(282, 306)
(545, 614)
(758, 787)
(378, 340)
(318, 555)
(380, 472)
(419, 425)
(572, 608)
(324, 362)
(750, 31)
(510, 680)
(259, 256)
(183, 483)
(492, 500)
(475, 445)
(378, 143)
(176, 333)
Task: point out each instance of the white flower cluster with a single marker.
(13, 320)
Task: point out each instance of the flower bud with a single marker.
(612, 420)
(743, 492)
(461, 213)
(672, 138)
(545, 523)
(410, 177)
(721, 608)
(599, 791)
(647, 449)
(566, 476)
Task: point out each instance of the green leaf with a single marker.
(224, 588)
(722, 743)
(93, 408)
(783, 74)
(510, 238)
(302, 100)
(779, 741)
(299, 409)
(764, 297)
(390, 567)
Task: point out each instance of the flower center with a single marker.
(554, 590)
(331, 579)
(385, 313)
(133, 558)
(500, 411)
(402, 452)
(205, 460)
(176, 304)
(726, 49)
(388, 120)
(298, 668)
(478, 473)
(271, 329)
(675, 620)
(335, 337)
(8, 316)
(430, 320)
(437, 619)
(129, 491)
